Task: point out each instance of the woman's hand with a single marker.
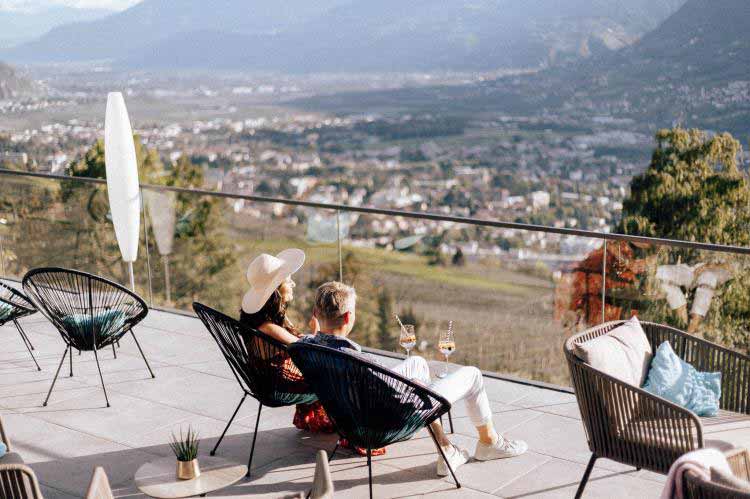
(314, 325)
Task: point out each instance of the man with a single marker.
(333, 319)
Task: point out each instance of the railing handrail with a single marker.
(412, 214)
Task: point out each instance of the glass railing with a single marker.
(514, 292)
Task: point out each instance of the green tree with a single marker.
(202, 259)
(693, 190)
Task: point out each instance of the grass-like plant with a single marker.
(185, 447)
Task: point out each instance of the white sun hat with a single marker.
(266, 273)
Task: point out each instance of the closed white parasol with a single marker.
(122, 179)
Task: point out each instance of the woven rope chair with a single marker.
(695, 487)
(17, 481)
(89, 312)
(626, 424)
(260, 364)
(13, 306)
(370, 405)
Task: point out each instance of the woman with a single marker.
(264, 307)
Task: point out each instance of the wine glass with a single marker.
(408, 339)
(446, 345)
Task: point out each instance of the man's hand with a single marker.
(314, 325)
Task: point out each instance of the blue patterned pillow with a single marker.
(674, 379)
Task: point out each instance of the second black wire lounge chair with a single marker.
(13, 306)
(260, 364)
(370, 405)
(89, 312)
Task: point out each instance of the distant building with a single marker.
(539, 200)
(18, 158)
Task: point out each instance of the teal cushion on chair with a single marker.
(5, 310)
(104, 324)
(3, 449)
(674, 379)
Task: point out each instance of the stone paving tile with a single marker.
(558, 436)
(218, 368)
(569, 410)
(537, 398)
(128, 416)
(505, 391)
(446, 491)
(559, 479)
(51, 493)
(505, 418)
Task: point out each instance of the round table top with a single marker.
(159, 478)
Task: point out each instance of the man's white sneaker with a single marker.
(456, 457)
(502, 449)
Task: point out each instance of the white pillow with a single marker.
(623, 353)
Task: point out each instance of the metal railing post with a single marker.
(604, 282)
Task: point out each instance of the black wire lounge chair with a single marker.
(89, 312)
(370, 405)
(260, 364)
(13, 306)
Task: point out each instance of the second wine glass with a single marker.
(446, 345)
(408, 339)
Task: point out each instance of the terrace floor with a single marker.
(75, 432)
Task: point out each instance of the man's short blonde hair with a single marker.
(333, 300)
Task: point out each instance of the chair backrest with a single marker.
(74, 302)
(261, 364)
(623, 422)
(18, 481)
(696, 486)
(4, 438)
(20, 305)
(99, 486)
(369, 404)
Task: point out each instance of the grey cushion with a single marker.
(11, 458)
(729, 480)
(623, 353)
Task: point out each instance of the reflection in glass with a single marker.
(161, 211)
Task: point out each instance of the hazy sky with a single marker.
(31, 5)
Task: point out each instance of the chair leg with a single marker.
(23, 334)
(369, 469)
(333, 452)
(442, 454)
(450, 420)
(213, 452)
(255, 435)
(27, 344)
(586, 475)
(96, 356)
(114, 352)
(70, 356)
(54, 380)
(142, 354)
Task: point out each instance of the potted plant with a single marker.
(185, 448)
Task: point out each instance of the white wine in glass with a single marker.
(446, 345)
(408, 339)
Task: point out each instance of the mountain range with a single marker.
(21, 26)
(691, 69)
(350, 35)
